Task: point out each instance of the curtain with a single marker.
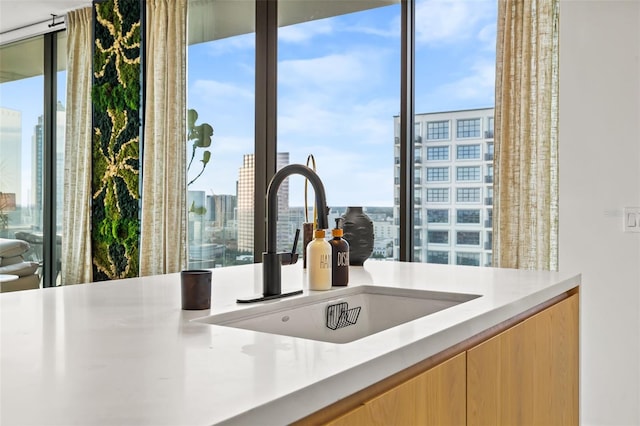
(76, 241)
(525, 208)
(163, 243)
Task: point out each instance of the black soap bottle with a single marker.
(339, 257)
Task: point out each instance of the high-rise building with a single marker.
(221, 209)
(453, 187)
(37, 168)
(11, 154)
(246, 204)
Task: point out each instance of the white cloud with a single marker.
(350, 178)
(326, 71)
(445, 21)
(231, 44)
(487, 36)
(477, 88)
(300, 33)
(217, 90)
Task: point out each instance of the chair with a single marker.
(12, 263)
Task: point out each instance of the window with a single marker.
(438, 215)
(417, 176)
(489, 198)
(437, 130)
(417, 155)
(488, 134)
(488, 223)
(488, 178)
(468, 195)
(436, 256)
(437, 195)
(488, 242)
(337, 88)
(468, 173)
(468, 128)
(438, 174)
(220, 228)
(488, 155)
(468, 238)
(26, 190)
(469, 259)
(468, 152)
(437, 153)
(438, 237)
(417, 133)
(467, 216)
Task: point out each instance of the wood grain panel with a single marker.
(435, 397)
(527, 375)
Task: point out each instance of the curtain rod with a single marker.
(33, 30)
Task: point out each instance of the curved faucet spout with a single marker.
(272, 200)
(271, 260)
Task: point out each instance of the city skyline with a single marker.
(338, 92)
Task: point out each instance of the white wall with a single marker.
(599, 175)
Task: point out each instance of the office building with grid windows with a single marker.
(453, 187)
(245, 203)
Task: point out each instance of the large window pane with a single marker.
(23, 148)
(454, 98)
(221, 81)
(21, 144)
(338, 92)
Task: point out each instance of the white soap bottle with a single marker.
(319, 262)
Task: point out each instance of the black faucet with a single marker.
(271, 259)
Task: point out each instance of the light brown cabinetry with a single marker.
(528, 374)
(523, 372)
(436, 397)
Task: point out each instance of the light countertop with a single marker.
(123, 352)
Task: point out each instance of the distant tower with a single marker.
(11, 153)
(245, 204)
(245, 201)
(37, 168)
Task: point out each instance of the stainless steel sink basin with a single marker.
(340, 316)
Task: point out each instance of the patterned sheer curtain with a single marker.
(76, 243)
(526, 139)
(163, 230)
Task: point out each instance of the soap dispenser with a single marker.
(339, 257)
(319, 262)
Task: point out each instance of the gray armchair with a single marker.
(12, 263)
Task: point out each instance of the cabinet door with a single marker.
(435, 397)
(527, 375)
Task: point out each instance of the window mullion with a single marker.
(407, 130)
(49, 162)
(266, 115)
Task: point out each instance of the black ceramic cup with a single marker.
(196, 289)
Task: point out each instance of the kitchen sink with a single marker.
(340, 315)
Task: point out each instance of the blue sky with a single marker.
(338, 90)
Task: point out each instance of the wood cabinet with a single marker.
(436, 397)
(528, 374)
(523, 372)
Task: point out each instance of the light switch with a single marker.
(631, 219)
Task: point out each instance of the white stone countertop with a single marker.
(124, 352)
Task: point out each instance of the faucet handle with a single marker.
(291, 258)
